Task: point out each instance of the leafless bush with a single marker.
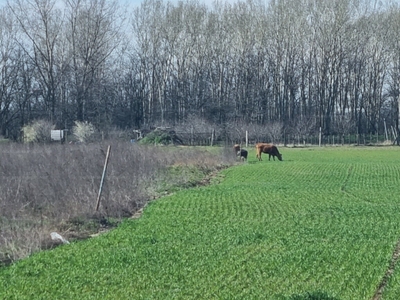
(113, 133)
(196, 128)
(256, 133)
(275, 130)
(38, 132)
(54, 187)
(196, 124)
(303, 128)
(343, 125)
(84, 131)
(236, 131)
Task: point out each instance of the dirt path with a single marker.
(389, 272)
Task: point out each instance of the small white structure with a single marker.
(57, 135)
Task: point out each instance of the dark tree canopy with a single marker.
(296, 65)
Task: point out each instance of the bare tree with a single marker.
(41, 24)
(93, 35)
(302, 128)
(9, 62)
(394, 70)
(146, 27)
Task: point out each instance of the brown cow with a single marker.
(271, 149)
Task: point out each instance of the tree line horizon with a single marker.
(299, 65)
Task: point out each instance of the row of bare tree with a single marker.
(304, 64)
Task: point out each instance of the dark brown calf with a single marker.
(242, 153)
(270, 149)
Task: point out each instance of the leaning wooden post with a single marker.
(102, 177)
(191, 136)
(386, 134)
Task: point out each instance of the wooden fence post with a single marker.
(191, 136)
(320, 136)
(102, 177)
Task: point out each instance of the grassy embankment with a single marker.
(53, 187)
(322, 224)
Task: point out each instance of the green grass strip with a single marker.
(322, 224)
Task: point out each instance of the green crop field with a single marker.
(322, 224)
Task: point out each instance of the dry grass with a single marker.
(54, 187)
